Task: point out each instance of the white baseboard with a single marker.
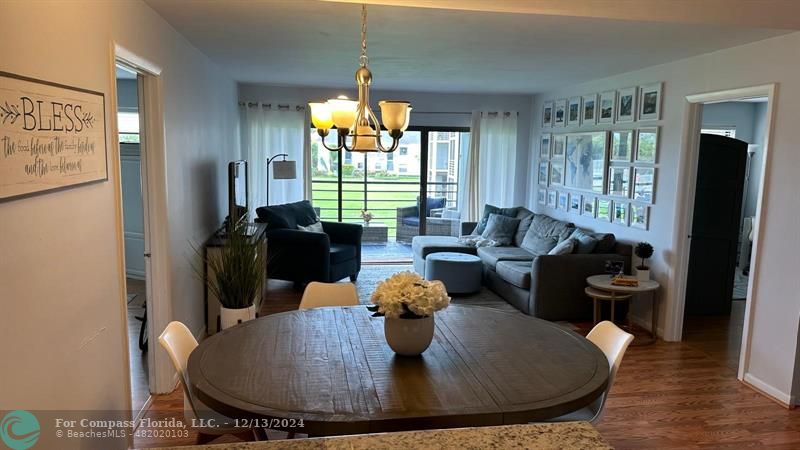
(769, 390)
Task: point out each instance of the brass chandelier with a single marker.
(356, 118)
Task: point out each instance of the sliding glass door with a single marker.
(387, 186)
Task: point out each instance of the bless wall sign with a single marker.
(51, 136)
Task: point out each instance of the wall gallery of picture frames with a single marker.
(608, 175)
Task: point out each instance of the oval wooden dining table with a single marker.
(332, 369)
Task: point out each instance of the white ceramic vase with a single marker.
(642, 274)
(409, 337)
(231, 317)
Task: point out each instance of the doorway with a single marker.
(729, 135)
(133, 214)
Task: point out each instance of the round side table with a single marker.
(603, 283)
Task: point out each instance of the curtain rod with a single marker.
(269, 106)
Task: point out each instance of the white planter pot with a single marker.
(642, 275)
(231, 317)
(409, 337)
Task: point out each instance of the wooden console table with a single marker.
(212, 249)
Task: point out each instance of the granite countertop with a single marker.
(567, 435)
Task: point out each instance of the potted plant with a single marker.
(236, 277)
(366, 215)
(408, 302)
(643, 250)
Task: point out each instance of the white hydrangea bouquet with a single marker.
(406, 295)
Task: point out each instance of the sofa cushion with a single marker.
(488, 210)
(501, 229)
(491, 255)
(342, 252)
(423, 246)
(315, 227)
(289, 215)
(412, 221)
(525, 219)
(517, 273)
(564, 247)
(586, 242)
(538, 245)
(606, 243)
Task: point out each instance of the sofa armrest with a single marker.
(558, 282)
(468, 227)
(295, 239)
(407, 211)
(436, 212)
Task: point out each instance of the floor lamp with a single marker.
(281, 170)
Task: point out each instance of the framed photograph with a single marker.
(541, 196)
(556, 174)
(544, 173)
(619, 181)
(575, 203)
(563, 201)
(622, 146)
(559, 147)
(547, 114)
(560, 113)
(604, 209)
(626, 105)
(544, 146)
(574, 112)
(614, 267)
(585, 167)
(650, 102)
(589, 110)
(647, 145)
(640, 216)
(552, 197)
(644, 184)
(588, 206)
(621, 213)
(608, 100)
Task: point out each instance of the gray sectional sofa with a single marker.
(547, 286)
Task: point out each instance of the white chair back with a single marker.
(613, 341)
(179, 342)
(318, 295)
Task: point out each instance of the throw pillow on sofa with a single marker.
(607, 243)
(538, 245)
(487, 211)
(500, 229)
(565, 247)
(585, 241)
(525, 219)
(315, 227)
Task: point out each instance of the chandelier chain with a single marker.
(363, 59)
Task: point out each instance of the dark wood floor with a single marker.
(140, 389)
(666, 396)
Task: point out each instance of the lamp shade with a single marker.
(343, 112)
(395, 114)
(321, 116)
(284, 170)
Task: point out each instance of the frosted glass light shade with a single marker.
(365, 140)
(321, 115)
(343, 112)
(395, 115)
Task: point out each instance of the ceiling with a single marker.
(479, 50)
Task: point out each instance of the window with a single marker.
(403, 150)
(128, 124)
(721, 131)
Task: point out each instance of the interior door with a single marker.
(715, 225)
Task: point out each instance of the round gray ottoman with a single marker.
(461, 273)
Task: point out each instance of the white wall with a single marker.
(776, 305)
(63, 323)
(423, 103)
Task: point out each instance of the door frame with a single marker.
(161, 375)
(686, 196)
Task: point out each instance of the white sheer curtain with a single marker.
(267, 132)
(468, 181)
(497, 143)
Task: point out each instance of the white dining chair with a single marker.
(179, 342)
(613, 341)
(318, 295)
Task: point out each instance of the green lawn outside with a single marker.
(383, 205)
